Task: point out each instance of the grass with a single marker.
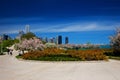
(114, 57)
(18, 57)
(56, 58)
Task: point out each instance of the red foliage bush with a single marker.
(81, 54)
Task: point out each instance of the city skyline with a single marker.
(93, 19)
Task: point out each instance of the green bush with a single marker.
(28, 35)
(7, 43)
(112, 52)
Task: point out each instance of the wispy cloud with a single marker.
(68, 27)
(76, 27)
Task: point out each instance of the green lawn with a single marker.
(18, 56)
(54, 58)
(114, 57)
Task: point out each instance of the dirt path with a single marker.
(13, 69)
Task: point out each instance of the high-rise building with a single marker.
(46, 40)
(60, 39)
(27, 28)
(52, 40)
(5, 37)
(66, 40)
(56, 41)
(20, 33)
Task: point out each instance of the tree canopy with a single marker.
(28, 35)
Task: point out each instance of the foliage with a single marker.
(50, 45)
(28, 35)
(55, 52)
(88, 54)
(30, 44)
(7, 43)
(114, 57)
(108, 52)
(18, 57)
(115, 43)
(56, 58)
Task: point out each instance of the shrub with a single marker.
(89, 54)
(76, 54)
(108, 52)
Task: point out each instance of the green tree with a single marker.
(28, 35)
(7, 43)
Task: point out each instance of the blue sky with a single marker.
(94, 20)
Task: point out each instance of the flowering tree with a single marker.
(115, 42)
(31, 44)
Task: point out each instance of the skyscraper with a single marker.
(66, 40)
(46, 40)
(20, 33)
(60, 39)
(27, 28)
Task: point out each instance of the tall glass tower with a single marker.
(60, 39)
(27, 28)
(66, 40)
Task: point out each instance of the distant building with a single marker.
(56, 41)
(27, 28)
(60, 39)
(5, 37)
(46, 40)
(20, 33)
(66, 40)
(51, 40)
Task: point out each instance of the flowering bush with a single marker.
(31, 44)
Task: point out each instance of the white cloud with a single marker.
(75, 28)
(69, 27)
(78, 28)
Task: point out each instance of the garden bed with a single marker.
(54, 54)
